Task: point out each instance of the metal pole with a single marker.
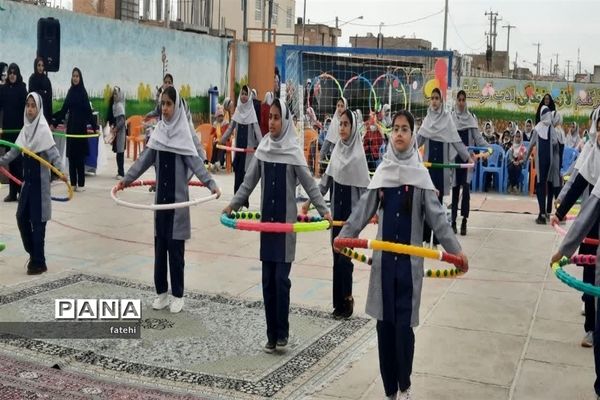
(445, 23)
(270, 19)
(245, 18)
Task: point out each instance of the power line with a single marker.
(399, 23)
(461, 38)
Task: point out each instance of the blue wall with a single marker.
(112, 52)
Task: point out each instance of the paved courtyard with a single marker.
(506, 330)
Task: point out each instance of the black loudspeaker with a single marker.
(48, 43)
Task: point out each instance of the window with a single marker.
(290, 17)
(258, 10)
(275, 12)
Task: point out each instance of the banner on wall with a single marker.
(571, 99)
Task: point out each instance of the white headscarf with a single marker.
(545, 123)
(35, 135)
(174, 135)
(557, 120)
(387, 117)
(439, 125)
(348, 163)
(118, 107)
(333, 133)
(589, 168)
(244, 112)
(465, 119)
(516, 147)
(284, 149)
(268, 98)
(401, 168)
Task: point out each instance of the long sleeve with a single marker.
(532, 144)
(59, 116)
(251, 179)
(257, 133)
(308, 183)
(9, 157)
(361, 214)
(325, 184)
(420, 140)
(119, 122)
(478, 138)
(197, 143)
(436, 218)
(325, 149)
(574, 191)
(54, 158)
(196, 165)
(228, 132)
(145, 161)
(589, 214)
(573, 174)
(462, 150)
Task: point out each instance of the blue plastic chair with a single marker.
(495, 165)
(569, 156)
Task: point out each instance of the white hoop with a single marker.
(158, 207)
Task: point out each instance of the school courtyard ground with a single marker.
(506, 330)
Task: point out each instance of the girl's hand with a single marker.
(217, 191)
(465, 262)
(227, 210)
(328, 218)
(121, 185)
(554, 220)
(304, 208)
(555, 258)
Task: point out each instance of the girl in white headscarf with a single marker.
(580, 184)
(442, 144)
(489, 133)
(173, 152)
(333, 134)
(403, 197)
(516, 159)
(528, 130)
(572, 140)
(346, 178)
(278, 163)
(35, 207)
(543, 140)
(118, 129)
(248, 135)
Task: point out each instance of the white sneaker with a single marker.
(80, 189)
(161, 301)
(406, 395)
(588, 339)
(176, 305)
(118, 177)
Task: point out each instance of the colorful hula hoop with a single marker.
(156, 207)
(562, 232)
(447, 165)
(429, 273)
(75, 136)
(235, 149)
(43, 162)
(317, 218)
(571, 281)
(250, 221)
(397, 248)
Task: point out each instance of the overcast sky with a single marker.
(561, 26)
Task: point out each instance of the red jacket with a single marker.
(372, 142)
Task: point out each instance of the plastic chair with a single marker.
(206, 139)
(495, 165)
(135, 126)
(569, 156)
(525, 178)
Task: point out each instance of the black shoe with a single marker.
(454, 227)
(10, 198)
(269, 347)
(463, 227)
(540, 220)
(348, 308)
(282, 342)
(33, 269)
(337, 313)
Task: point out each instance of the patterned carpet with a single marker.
(212, 349)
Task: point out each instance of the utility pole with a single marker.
(496, 19)
(568, 69)
(304, 23)
(445, 24)
(509, 27)
(578, 62)
(245, 18)
(491, 14)
(556, 65)
(270, 19)
(337, 23)
(539, 61)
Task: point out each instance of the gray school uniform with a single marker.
(589, 214)
(53, 157)
(120, 136)
(461, 151)
(425, 207)
(181, 227)
(475, 138)
(293, 173)
(326, 185)
(254, 138)
(552, 156)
